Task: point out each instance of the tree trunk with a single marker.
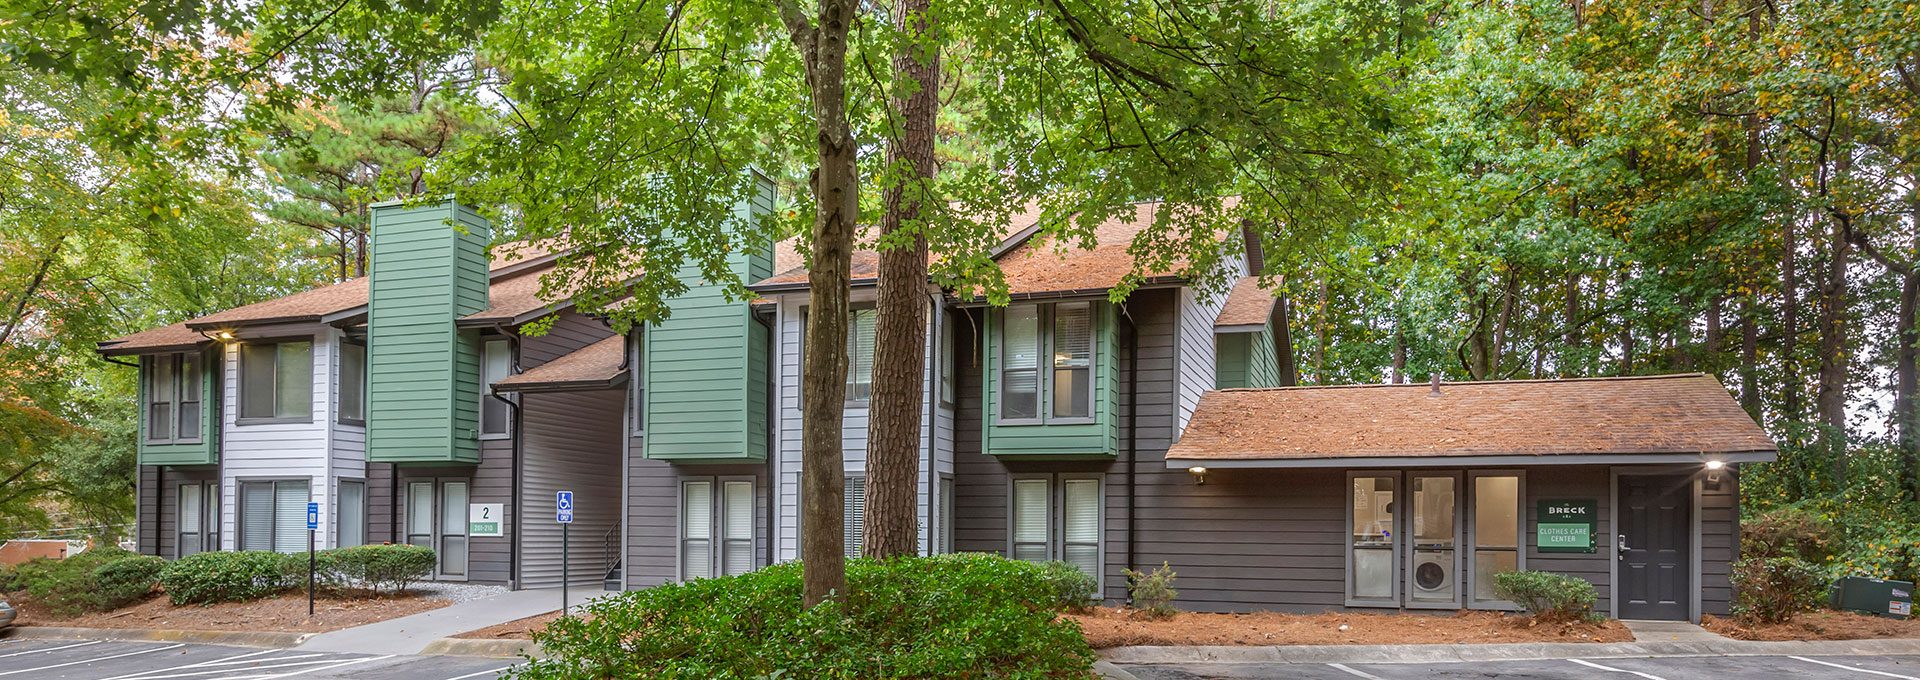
(1570, 337)
(1749, 358)
(1907, 382)
(822, 42)
(1399, 351)
(1790, 406)
(900, 334)
(1508, 293)
(1322, 334)
(19, 312)
(1283, 339)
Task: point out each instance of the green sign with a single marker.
(1566, 526)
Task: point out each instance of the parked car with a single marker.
(7, 613)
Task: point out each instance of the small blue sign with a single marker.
(563, 507)
(313, 515)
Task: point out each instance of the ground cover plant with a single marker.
(96, 580)
(946, 616)
(1549, 596)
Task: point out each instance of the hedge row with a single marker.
(253, 574)
(96, 580)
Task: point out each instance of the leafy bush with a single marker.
(382, 568)
(1774, 589)
(946, 616)
(95, 580)
(326, 574)
(1789, 531)
(124, 581)
(208, 577)
(1548, 596)
(1153, 592)
(1072, 588)
(10, 579)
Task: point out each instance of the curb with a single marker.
(1324, 654)
(505, 649)
(208, 637)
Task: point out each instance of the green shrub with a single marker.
(1548, 596)
(1774, 589)
(382, 568)
(124, 581)
(1152, 593)
(326, 573)
(1789, 531)
(207, 577)
(74, 586)
(10, 579)
(1072, 588)
(946, 616)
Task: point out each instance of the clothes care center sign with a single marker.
(1566, 526)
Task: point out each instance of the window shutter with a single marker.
(293, 381)
(696, 530)
(1030, 520)
(737, 529)
(856, 514)
(290, 520)
(256, 516)
(1080, 539)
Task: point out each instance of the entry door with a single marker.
(1653, 546)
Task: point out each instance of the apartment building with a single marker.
(441, 401)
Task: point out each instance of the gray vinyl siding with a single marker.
(147, 511)
(1719, 542)
(1584, 482)
(653, 514)
(572, 441)
(160, 505)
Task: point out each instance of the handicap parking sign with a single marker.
(313, 515)
(563, 507)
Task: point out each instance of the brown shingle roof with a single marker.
(306, 305)
(176, 336)
(595, 366)
(1247, 305)
(1674, 414)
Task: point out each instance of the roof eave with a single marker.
(1150, 284)
(1240, 328)
(563, 385)
(516, 320)
(1176, 461)
(103, 350)
(798, 286)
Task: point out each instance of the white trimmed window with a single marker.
(353, 382)
(496, 365)
(717, 525)
(637, 385)
(198, 525)
(1432, 539)
(350, 514)
(1058, 517)
(276, 381)
(860, 329)
(273, 515)
(1046, 362)
(171, 385)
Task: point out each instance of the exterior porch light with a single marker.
(223, 336)
(1713, 471)
(1716, 464)
(1199, 474)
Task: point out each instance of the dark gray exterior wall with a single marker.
(146, 511)
(653, 514)
(1248, 539)
(160, 504)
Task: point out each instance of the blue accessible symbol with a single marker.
(313, 515)
(563, 507)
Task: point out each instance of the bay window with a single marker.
(276, 381)
(172, 386)
(1059, 334)
(1057, 517)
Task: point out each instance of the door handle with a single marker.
(1623, 546)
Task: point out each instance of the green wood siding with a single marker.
(1048, 440)
(207, 451)
(707, 371)
(1246, 360)
(423, 375)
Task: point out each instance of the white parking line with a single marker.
(348, 662)
(217, 671)
(1343, 667)
(475, 675)
(1851, 668)
(101, 658)
(52, 649)
(148, 675)
(1648, 676)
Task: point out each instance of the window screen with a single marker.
(1080, 526)
(276, 380)
(1020, 362)
(1072, 360)
(1030, 501)
(274, 516)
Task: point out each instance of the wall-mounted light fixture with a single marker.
(1199, 474)
(223, 336)
(1713, 471)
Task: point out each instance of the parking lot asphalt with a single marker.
(1660, 668)
(112, 660)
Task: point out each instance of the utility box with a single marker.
(1891, 599)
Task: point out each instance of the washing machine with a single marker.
(1433, 577)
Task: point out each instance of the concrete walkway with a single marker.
(1348, 654)
(411, 634)
(1670, 631)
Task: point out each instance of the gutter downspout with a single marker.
(519, 435)
(1133, 427)
(936, 319)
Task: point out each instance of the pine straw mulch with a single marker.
(517, 629)
(1114, 627)
(284, 613)
(1816, 625)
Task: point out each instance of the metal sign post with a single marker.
(563, 513)
(313, 530)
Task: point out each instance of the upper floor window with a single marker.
(638, 384)
(353, 382)
(947, 350)
(1046, 361)
(860, 354)
(497, 365)
(276, 381)
(173, 391)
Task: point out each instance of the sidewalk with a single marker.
(412, 634)
(1348, 654)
